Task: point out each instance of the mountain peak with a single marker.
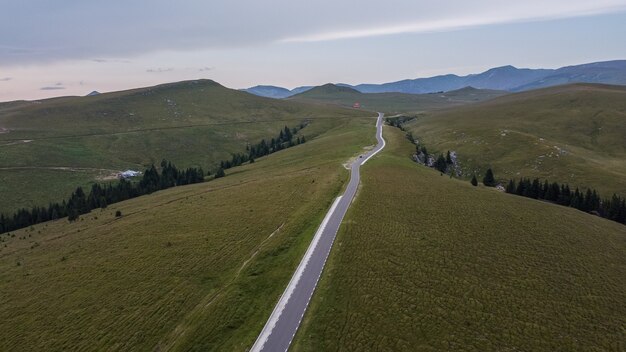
(333, 88)
(507, 68)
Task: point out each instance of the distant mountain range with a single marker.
(276, 92)
(507, 78)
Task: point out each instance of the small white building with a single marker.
(129, 174)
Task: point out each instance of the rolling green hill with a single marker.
(190, 268)
(572, 134)
(421, 261)
(51, 146)
(424, 262)
(392, 103)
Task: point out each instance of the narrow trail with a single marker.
(60, 168)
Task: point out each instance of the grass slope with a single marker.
(193, 123)
(194, 268)
(392, 103)
(572, 134)
(428, 263)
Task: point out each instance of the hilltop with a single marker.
(51, 146)
(393, 102)
(572, 134)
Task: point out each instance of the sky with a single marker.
(52, 48)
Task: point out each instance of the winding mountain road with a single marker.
(284, 321)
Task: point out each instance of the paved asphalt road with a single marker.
(282, 325)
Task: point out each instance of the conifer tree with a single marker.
(288, 134)
(535, 189)
(440, 164)
(489, 180)
(474, 181)
(511, 188)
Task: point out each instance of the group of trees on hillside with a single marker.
(153, 179)
(286, 138)
(489, 180)
(102, 195)
(442, 163)
(399, 121)
(613, 208)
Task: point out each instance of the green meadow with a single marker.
(424, 262)
(572, 134)
(192, 124)
(195, 268)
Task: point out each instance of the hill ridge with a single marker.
(506, 77)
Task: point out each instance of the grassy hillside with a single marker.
(428, 263)
(572, 134)
(394, 102)
(54, 145)
(190, 268)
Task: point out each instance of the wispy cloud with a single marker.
(204, 69)
(224, 25)
(160, 70)
(6, 79)
(52, 88)
(56, 86)
(102, 61)
(456, 23)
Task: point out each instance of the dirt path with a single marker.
(62, 168)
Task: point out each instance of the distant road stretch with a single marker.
(284, 321)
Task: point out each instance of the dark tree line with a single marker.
(613, 208)
(286, 138)
(102, 195)
(399, 121)
(442, 163)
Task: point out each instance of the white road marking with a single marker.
(381, 148)
(284, 299)
(269, 326)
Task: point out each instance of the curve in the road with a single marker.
(286, 317)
